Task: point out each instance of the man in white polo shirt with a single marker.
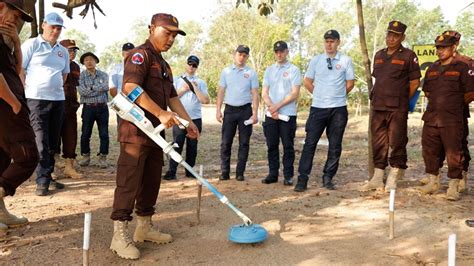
(330, 77)
(46, 65)
(238, 89)
(281, 87)
(192, 92)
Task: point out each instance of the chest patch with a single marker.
(398, 62)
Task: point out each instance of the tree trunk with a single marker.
(41, 15)
(365, 56)
(30, 8)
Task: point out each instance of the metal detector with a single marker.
(248, 232)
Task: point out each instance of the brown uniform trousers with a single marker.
(140, 161)
(444, 129)
(389, 99)
(18, 153)
(69, 128)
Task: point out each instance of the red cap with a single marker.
(167, 21)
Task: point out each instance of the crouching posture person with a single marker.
(149, 82)
(18, 153)
(447, 82)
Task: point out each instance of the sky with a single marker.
(120, 14)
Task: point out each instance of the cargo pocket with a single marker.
(128, 166)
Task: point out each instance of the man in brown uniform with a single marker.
(18, 152)
(69, 127)
(446, 83)
(148, 79)
(397, 76)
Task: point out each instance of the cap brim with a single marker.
(279, 49)
(394, 31)
(73, 47)
(175, 29)
(443, 45)
(25, 16)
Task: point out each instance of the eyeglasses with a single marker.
(193, 65)
(328, 60)
(72, 50)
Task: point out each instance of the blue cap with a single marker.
(193, 59)
(54, 19)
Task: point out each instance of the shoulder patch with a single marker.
(137, 58)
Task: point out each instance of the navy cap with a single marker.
(397, 27)
(243, 49)
(332, 34)
(193, 59)
(280, 46)
(54, 19)
(127, 46)
(445, 40)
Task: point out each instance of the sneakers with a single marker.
(122, 243)
(288, 181)
(42, 190)
(224, 177)
(301, 185)
(328, 184)
(145, 232)
(240, 178)
(85, 160)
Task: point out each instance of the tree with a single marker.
(82, 41)
(463, 25)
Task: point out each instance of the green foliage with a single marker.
(82, 41)
(464, 24)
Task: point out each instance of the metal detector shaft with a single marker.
(131, 112)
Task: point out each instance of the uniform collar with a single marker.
(150, 46)
(285, 65)
(42, 40)
(235, 67)
(336, 57)
(185, 74)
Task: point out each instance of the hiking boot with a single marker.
(85, 160)
(103, 161)
(169, 176)
(432, 186)
(463, 183)
(376, 183)
(122, 243)
(7, 218)
(69, 170)
(425, 180)
(394, 175)
(452, 193)
(58, 162)
(145, 232)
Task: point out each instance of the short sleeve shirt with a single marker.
(189, 99)
(8, 70)
(280, 80)
(393, 74)
(330, 82)
(147, 68)
(445, 86)
(45, 66)
(238, 84)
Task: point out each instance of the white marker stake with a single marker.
(248, 122)
(391, 214)
(198, 213)
(87, 233)
(452, 250)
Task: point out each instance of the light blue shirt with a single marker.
(189, 100)
(280, 79)
(330, 84)
(116, 77)
(238, 84)
(44, 66)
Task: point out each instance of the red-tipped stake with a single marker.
(198, 212)
(391, 214)
(452, 250)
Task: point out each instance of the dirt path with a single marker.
(319, 227)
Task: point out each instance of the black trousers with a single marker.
(179, 136)
(46, 119)
(234, 117)
(275, 130)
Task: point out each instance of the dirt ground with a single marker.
(318, 227)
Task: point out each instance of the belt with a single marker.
(95, 104)
(242, 107)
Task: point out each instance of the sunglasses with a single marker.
(193, 65)
(328, 60)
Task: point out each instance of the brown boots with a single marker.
(453, 190)
(69, 170)
(432, 186)
(122, 243)
(394, 175)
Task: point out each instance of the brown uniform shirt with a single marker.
(8, 69)
(72, 81)
(147, 68)
(445, 87)
(392, 75)
(470, 63)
